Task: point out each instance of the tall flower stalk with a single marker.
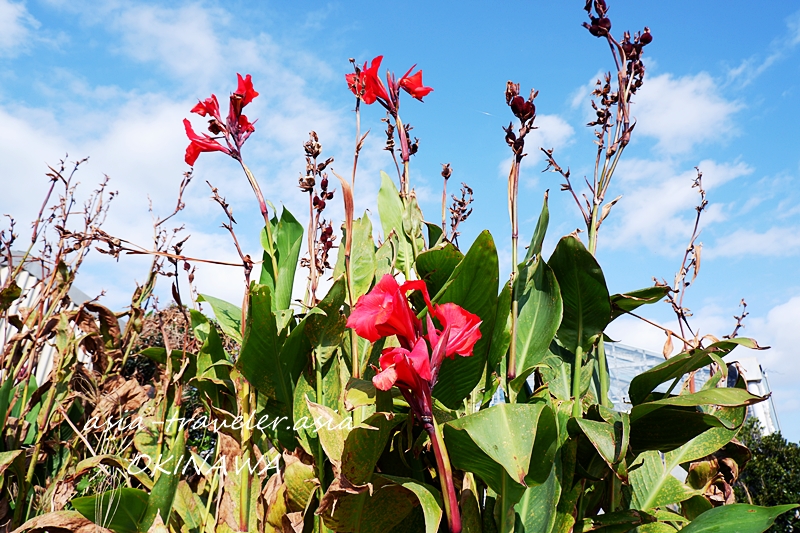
(366, 84)
(525, 111)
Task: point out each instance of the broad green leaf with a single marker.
(190, 507)
(392, 213)
(535, 248)
(120, 510)
(429, 499)
(535, 510)
(362, 257)
(621, 303)
(288, 236)
(587, 309)
(683, 363)
(304, 393)
(518, 438)
(738, 518)
(163, 494)
(386, 255)
(671, 427)
(364, 445)
(472, 285)
(6, 393)
(435, 266)
(268, 364)
(619, 521)
(710, 440)
(606, 438)
(359, 392)
(540, 311)
(228, 315)
(325, 332)
(501, 332)
(435, 234)
(655, 486)
(330, 430)
(135, 468)
(726, 397)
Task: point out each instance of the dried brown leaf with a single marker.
(61, 521)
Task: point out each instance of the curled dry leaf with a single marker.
(121, 395)
(60, 521)
(667, 351)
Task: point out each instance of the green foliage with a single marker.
(772, 477)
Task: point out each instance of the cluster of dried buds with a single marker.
(632, 52)
(525, 111)
(600, 25)
(324, 245)
(314, 171)
(630, 48)
(460, 210)
(315, 183)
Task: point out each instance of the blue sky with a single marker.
(113, 80)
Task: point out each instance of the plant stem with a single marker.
(602, 371)
(446, 476)
(320, 452)
(513, 189)
(245, 481)
(576, 382)
(262, 205)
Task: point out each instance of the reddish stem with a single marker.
(446, 473)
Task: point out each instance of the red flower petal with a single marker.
(200, 144)
(464, 328)
(383, 312)
(413, 85)
(385, 379)
(209, 106)
(245, 89)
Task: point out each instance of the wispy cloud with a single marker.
(780, 47)
(682, 112)
(774, 242)
(16, 25)
(657, 208)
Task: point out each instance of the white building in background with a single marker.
(30, 281)
(625, 362)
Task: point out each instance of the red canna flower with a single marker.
(383, 312)
(367, 84)
(413, 85)
(200, 144)
(245, 89)
(210, 106)
(235, 130)
(404, 368)
(463, 326)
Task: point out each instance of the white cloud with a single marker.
(683, 112)
(752, 67)
(776, 241)
(15, 27)
(182, 39)
(657, 207)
